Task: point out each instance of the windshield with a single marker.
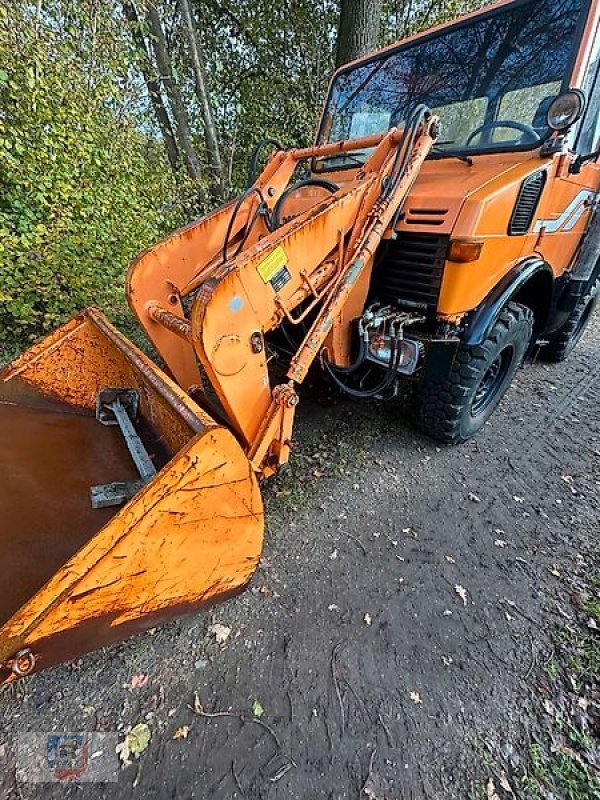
(490, 80)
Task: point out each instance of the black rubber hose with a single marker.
(261, 206)
(330, 186)
(405, 146)
(253, 165)
(386, 382)
(358, 362)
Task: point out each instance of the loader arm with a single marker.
(314, 262)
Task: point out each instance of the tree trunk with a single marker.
(210, 131)
(358, 29)
(163, 60)
(153, 86)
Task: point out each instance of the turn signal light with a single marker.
(465, 250)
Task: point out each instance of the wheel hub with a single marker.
(491, 382)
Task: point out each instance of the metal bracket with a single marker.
(108, 495)
(120, 407)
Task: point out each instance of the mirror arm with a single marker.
(579, 162)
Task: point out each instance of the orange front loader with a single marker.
(395, 255)
(124, 502)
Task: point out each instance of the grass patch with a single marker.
(562, 766)
(562, 773)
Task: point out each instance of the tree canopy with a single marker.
(122, 119)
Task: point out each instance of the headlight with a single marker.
(566, 109)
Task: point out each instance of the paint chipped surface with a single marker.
(191, 537)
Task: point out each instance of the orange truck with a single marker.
(444, 226)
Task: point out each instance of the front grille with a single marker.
(527, 203)
(410, 271)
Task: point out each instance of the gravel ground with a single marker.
(394, 634)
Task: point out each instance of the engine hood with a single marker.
(445, 184)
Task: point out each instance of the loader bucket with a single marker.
(75, 578)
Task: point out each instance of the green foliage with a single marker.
(81, 185)
(269, 63)
(84, 182)
(402, 18)
(561, 771)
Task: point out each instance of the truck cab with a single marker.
(488, 249)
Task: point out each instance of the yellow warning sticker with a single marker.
(270, 266)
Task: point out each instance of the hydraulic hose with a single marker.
(386, 382)
(253, 166)
(405, 146)
(261, 208)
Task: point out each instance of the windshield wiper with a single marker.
(466, 159)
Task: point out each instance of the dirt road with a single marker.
(395, 632)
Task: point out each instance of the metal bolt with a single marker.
(23, 663)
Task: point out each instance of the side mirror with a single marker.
(565, 110)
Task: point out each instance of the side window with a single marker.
(589, 132)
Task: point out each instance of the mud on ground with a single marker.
(397, 634)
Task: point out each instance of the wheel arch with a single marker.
(531, 283)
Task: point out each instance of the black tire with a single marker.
(562, 343)
(457, 407)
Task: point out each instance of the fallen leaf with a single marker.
(182, 733)
(461, 592)
(139, 738)
(505, 784)
(318, 473)
(367, 619)
(220, 632)
(491, 790)
(416, 698)
(549, 707)
(555, 571)
(198, 707)
(138, 681)
(257, 709)
(135, 743)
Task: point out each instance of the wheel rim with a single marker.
(490, 386)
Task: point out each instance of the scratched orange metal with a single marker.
(191, 537)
